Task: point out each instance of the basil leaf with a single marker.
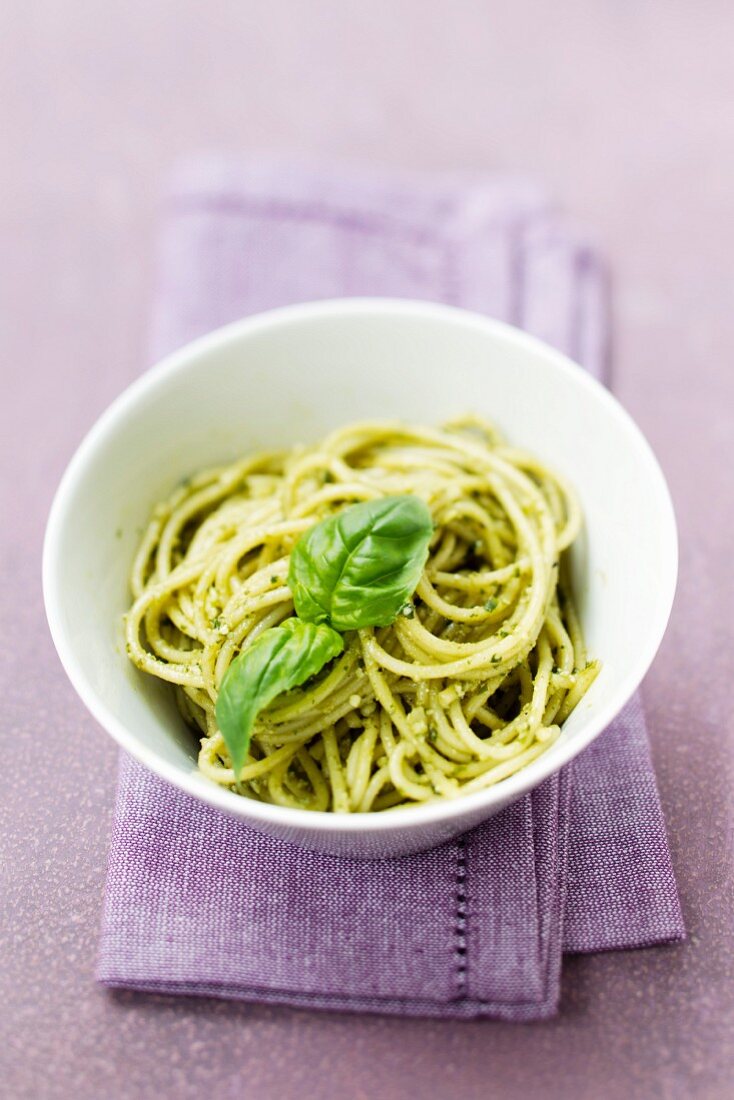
(281, 658)
(358, 568)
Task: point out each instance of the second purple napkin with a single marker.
(198, 903)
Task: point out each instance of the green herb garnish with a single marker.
(491, 604)
(359, 567)
(282, 658)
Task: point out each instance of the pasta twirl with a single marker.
(469, 684)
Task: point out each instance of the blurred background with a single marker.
(624, 109)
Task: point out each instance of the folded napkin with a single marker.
(199, 903)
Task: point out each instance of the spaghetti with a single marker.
(468, 685)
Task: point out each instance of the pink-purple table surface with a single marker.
(625, 111)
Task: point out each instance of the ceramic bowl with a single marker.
(290, 376)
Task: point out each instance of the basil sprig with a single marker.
(358, 568)
(352, 570)
(281, 658)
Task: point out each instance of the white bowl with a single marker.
(289, 376)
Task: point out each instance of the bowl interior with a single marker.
(290, 377)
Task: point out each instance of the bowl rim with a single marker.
(408, 818)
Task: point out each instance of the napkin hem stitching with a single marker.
(460, 950)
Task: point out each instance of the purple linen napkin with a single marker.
(201, 904)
